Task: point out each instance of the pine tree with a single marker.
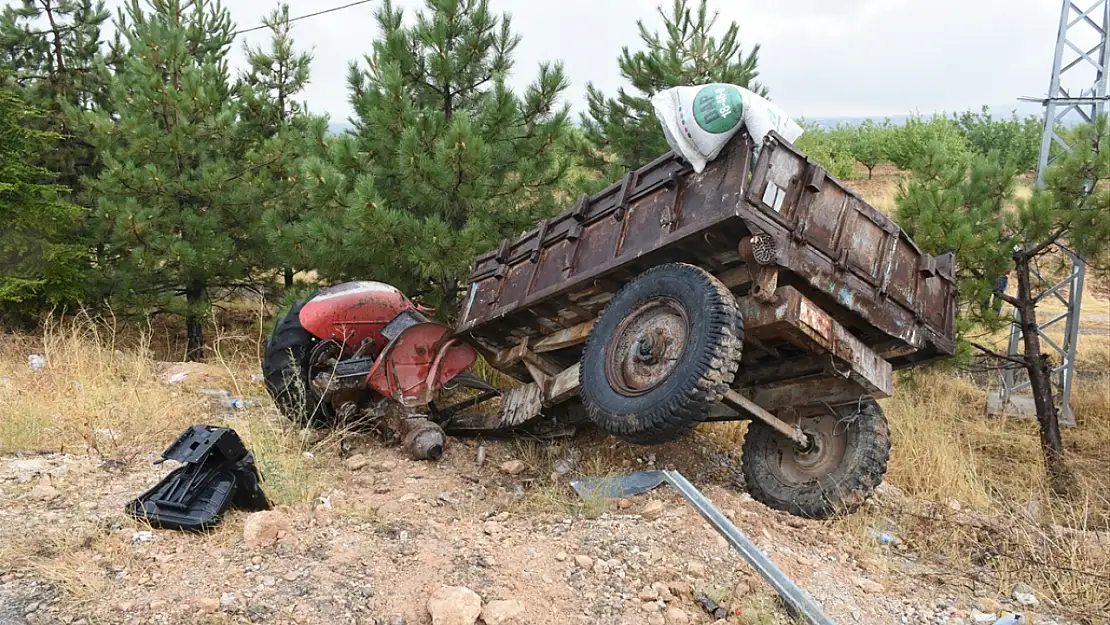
(40, 260)
(182, 222)
(54, 53)
(953, 205)
(445, 160)
(283, 134)
(687, 53)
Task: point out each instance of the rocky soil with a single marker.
(391, 541)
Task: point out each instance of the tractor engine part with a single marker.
(423, 439)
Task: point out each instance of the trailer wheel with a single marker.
(663, 353)
(846, 461)
(285, 369)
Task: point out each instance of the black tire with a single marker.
(703, 368)
(285, 371)
(781, 477)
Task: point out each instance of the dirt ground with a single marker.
(387, 535)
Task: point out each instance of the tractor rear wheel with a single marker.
(285, 368)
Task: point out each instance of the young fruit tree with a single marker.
(445, 160)
(1011, 138)
(966, 204)
(686, 53)
(868, 144)
(181, 218)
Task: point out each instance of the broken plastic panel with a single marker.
(219, 473)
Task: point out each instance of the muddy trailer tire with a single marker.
(835, 476)
(285, 369)
(662, 354)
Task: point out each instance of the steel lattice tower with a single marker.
(1076, 93)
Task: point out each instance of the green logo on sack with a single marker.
(717, 108)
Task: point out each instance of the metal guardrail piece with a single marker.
(797, 602)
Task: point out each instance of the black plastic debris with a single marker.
(219, 473)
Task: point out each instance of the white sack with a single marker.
(699, 120)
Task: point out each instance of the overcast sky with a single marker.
(820, 58)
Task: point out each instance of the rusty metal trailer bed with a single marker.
(830, 298)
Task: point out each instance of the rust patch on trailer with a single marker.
(815, 318)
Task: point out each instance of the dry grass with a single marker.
(90, 395)
(116, 403)
(934, 455)
(948, 454)
(881, 190)
(985, 500)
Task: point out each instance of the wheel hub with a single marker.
(321, 364)
(827, 445)
(646, 346)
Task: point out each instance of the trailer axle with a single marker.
(742, 404)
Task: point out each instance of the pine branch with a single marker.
(994, 354)
(1047, 243)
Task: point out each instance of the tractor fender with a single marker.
(417, 363)
(353, 312)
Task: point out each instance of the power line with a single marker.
(236, 33)
(304, 17)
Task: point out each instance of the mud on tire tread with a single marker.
(700, 380)
(842, 491)
(285, 370)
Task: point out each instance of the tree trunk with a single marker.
(870, 171)
(450, 304)
(288, 278)
(194, 322)
(1060, 478)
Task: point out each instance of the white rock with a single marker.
(144, 536)
(652, 510)
(454, 605)
(561, 556)
(662, 591)
(502, 612)
(601, 567)
(584, 561)
(513, 467)
(1025, 595)
(869, 586)
(357, 462)
(323, 512)
(676, 616)
(265, 528)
